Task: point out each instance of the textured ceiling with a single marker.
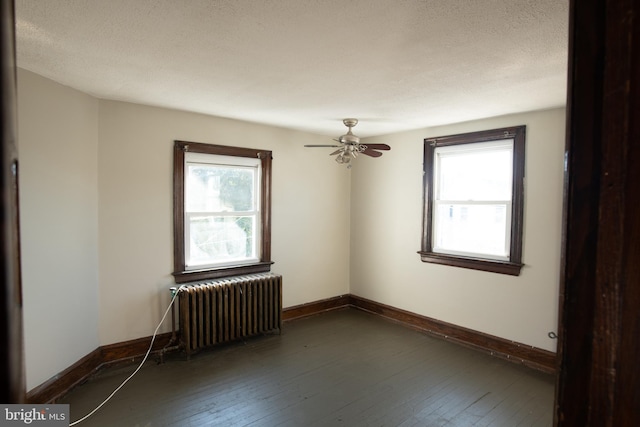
(306, 64)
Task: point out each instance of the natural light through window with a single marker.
(221, 210)
(472, 199)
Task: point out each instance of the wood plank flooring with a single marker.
(342, 368)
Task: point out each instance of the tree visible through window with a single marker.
(473, 200)
(221, 210)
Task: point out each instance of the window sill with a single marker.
(216, 273)
(493, 266)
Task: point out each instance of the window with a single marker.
(222, 206)
(473, 200)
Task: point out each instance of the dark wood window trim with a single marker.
(181, 274)
(514, 265)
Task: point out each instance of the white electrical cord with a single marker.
(139, 366)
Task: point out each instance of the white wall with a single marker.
(93, 168)
(386, 228)
(58, 147)
(96, 224)
(310, 211)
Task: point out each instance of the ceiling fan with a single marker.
(350, 146)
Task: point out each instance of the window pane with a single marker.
(476, 229)
(477, 175)
(213, 188)
(220, 239)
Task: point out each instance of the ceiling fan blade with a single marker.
(369, 152)
(379, 146)
(322, 146)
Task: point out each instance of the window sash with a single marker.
(224, 163)
(469, 242)
(481, 152)
(191, 187)
(192, 260)
(438, 232)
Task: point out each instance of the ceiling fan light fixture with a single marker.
(342, 159)
(351, 146)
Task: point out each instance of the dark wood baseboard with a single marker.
(58, 385)
(316, 307)
(130, 351)
(83, 369)
(134, 349)
(532, 357)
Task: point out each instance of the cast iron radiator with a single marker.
(229, 309)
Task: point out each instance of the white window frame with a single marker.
(230, 162)
(482, 147)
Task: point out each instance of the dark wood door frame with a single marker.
(12, 370)
(598, 383)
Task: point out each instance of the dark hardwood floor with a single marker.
(342, 368)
